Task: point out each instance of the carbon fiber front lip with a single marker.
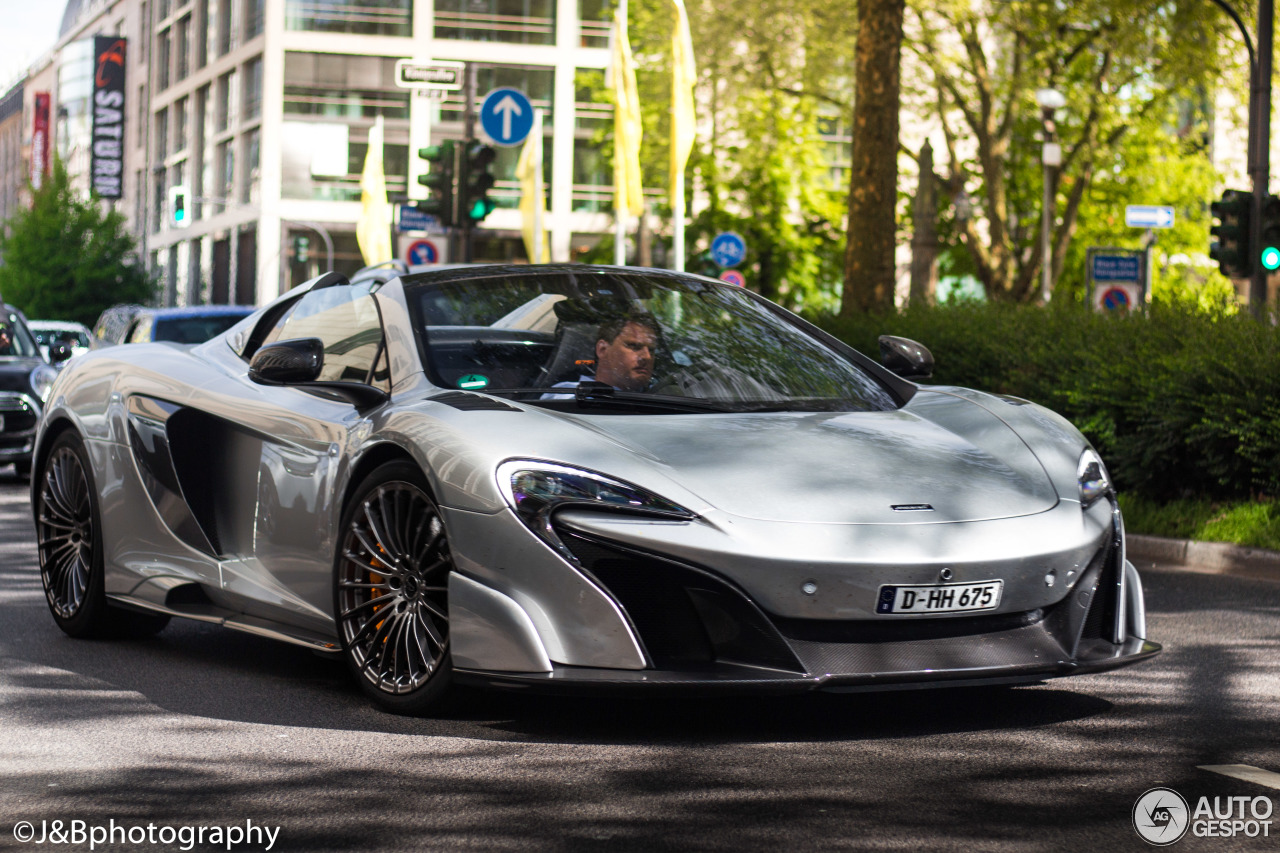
(730, 678)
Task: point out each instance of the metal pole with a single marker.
(1260, 144)
(469, 123)
(1046, 228)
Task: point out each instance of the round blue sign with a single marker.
(728, 249)
(423, 252)
(506, 116)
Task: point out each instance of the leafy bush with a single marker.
(1179, 404)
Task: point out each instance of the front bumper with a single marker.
(700, 632)
(20, 414)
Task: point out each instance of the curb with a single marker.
(1214, 558)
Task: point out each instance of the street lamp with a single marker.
(1050, 101)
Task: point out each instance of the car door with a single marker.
(282, 447)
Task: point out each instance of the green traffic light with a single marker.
(481, 208)
(1271, 257)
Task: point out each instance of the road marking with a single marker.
(1244, 771)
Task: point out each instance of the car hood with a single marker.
(944, 460)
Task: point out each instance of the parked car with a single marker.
(75, 335)
(194, 324)
(25, 379)
(578, 477)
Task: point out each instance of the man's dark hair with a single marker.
(611, 328)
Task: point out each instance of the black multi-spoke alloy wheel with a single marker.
(69, 541)
(391, 577)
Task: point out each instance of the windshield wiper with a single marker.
(598, 393)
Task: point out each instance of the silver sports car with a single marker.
(579, 477)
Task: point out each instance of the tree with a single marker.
(65, 259)
(869, 267)
(1125, 67)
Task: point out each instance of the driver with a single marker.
(624, 351)
(624, 354)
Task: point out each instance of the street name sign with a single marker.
(1148, 216)
(1117, 268)
(412, 219)
(443, 74)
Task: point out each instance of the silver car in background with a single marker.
(424, 476)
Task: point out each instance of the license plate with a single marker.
(940, 598)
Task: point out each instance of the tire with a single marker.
(390, 591)
(69, 544)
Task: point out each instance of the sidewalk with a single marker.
(1215, 558)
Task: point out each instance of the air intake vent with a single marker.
(472, 402)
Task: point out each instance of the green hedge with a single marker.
(1179, 404)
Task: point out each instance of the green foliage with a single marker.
(1178, 403)
(64, 259)
(759, 160)
(1255, 523)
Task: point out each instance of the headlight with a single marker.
(536, 489)
(41, 380)
(1091, 476)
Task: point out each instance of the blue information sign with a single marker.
(412, 219)
(506, 116)
(728, 249)
(1117, 268)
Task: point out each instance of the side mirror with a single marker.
(287, 362)
(905, 357)
(297, 363)
(59, 351)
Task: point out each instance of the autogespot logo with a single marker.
(1160, 816)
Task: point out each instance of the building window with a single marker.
(517, 21)
(162, 135)
(160, 201)
(249, 193)
(595, 21)
(202, 34)
(253, 88)
(253, 12)
(226, 174)
(226, 26)
(162, 61)
(362, 17)
(535, 81)
(183, 47)
(180, 125)
(162, 9)
(321, 162)
(225, 112)
(593, 119)
(338, 86)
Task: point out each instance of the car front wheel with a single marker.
(391, 577)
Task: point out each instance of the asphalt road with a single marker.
(204, 727)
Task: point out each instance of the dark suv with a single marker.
(25, 380)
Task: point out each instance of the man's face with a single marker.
(627, 362)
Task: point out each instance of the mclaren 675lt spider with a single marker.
(577, 477)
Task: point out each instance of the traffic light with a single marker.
(1270, 252)
(179, 211)
(1230, 247)
(476, 180)
(439, 180)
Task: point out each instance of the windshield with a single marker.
(15, 340)
(71, 337)
(638, 341)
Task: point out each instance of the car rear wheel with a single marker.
(391, 577)
(69, 542)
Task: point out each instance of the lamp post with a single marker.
(1050, 101)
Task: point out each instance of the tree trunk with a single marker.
(924, 242)
(869, 268)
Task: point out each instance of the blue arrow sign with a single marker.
(728, 249)
(506, 116)
(1148, 216)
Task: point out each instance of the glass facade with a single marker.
(339, 86)
(515, 21)
(595, 20)
(359, 17)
